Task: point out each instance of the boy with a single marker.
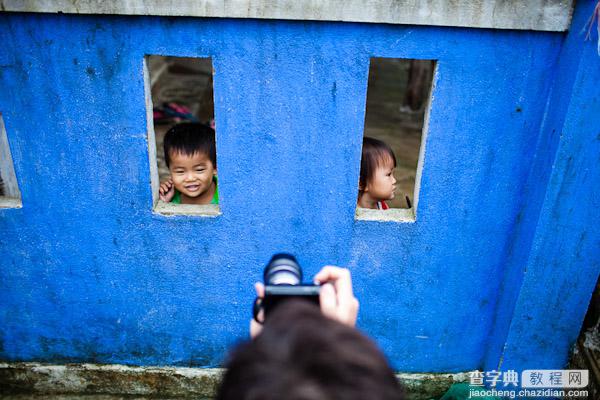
(191, 157)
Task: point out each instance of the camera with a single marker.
(283, 281)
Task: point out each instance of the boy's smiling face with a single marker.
(193, 177)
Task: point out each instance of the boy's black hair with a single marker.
(303, 355)
(374, 154)
(189, 139)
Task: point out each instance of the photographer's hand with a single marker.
(255, 327)
(336, 298)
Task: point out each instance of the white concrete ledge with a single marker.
(542, 15)
(390, 215)
(170, 209)
(8, 202)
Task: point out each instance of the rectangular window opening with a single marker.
(180, 103)
(10, 195)
(397, 107)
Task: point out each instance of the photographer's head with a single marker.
(302, 354)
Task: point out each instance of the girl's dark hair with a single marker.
(374, 154)
(303, 355)
(190, 138)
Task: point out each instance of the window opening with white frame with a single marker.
(10, 195)
(397, 105)
(180, 105)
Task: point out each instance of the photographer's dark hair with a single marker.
(374, 154)
(189, 139)
(303, 355)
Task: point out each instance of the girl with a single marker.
(377, 182)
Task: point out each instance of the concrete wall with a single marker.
(89, 273)
(544, 15)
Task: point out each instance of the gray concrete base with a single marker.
(109, 379)
(92, 381)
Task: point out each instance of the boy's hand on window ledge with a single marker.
(166, 191)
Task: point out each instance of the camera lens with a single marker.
(283, 269)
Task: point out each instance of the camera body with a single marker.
(283, 281)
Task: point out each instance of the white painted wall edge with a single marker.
(541, 15)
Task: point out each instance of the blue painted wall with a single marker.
(89, 273)
(553, 258)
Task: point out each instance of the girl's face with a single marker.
(383, 184)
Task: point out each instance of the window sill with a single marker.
(204, 210)
(9, 202)
(391, 215)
